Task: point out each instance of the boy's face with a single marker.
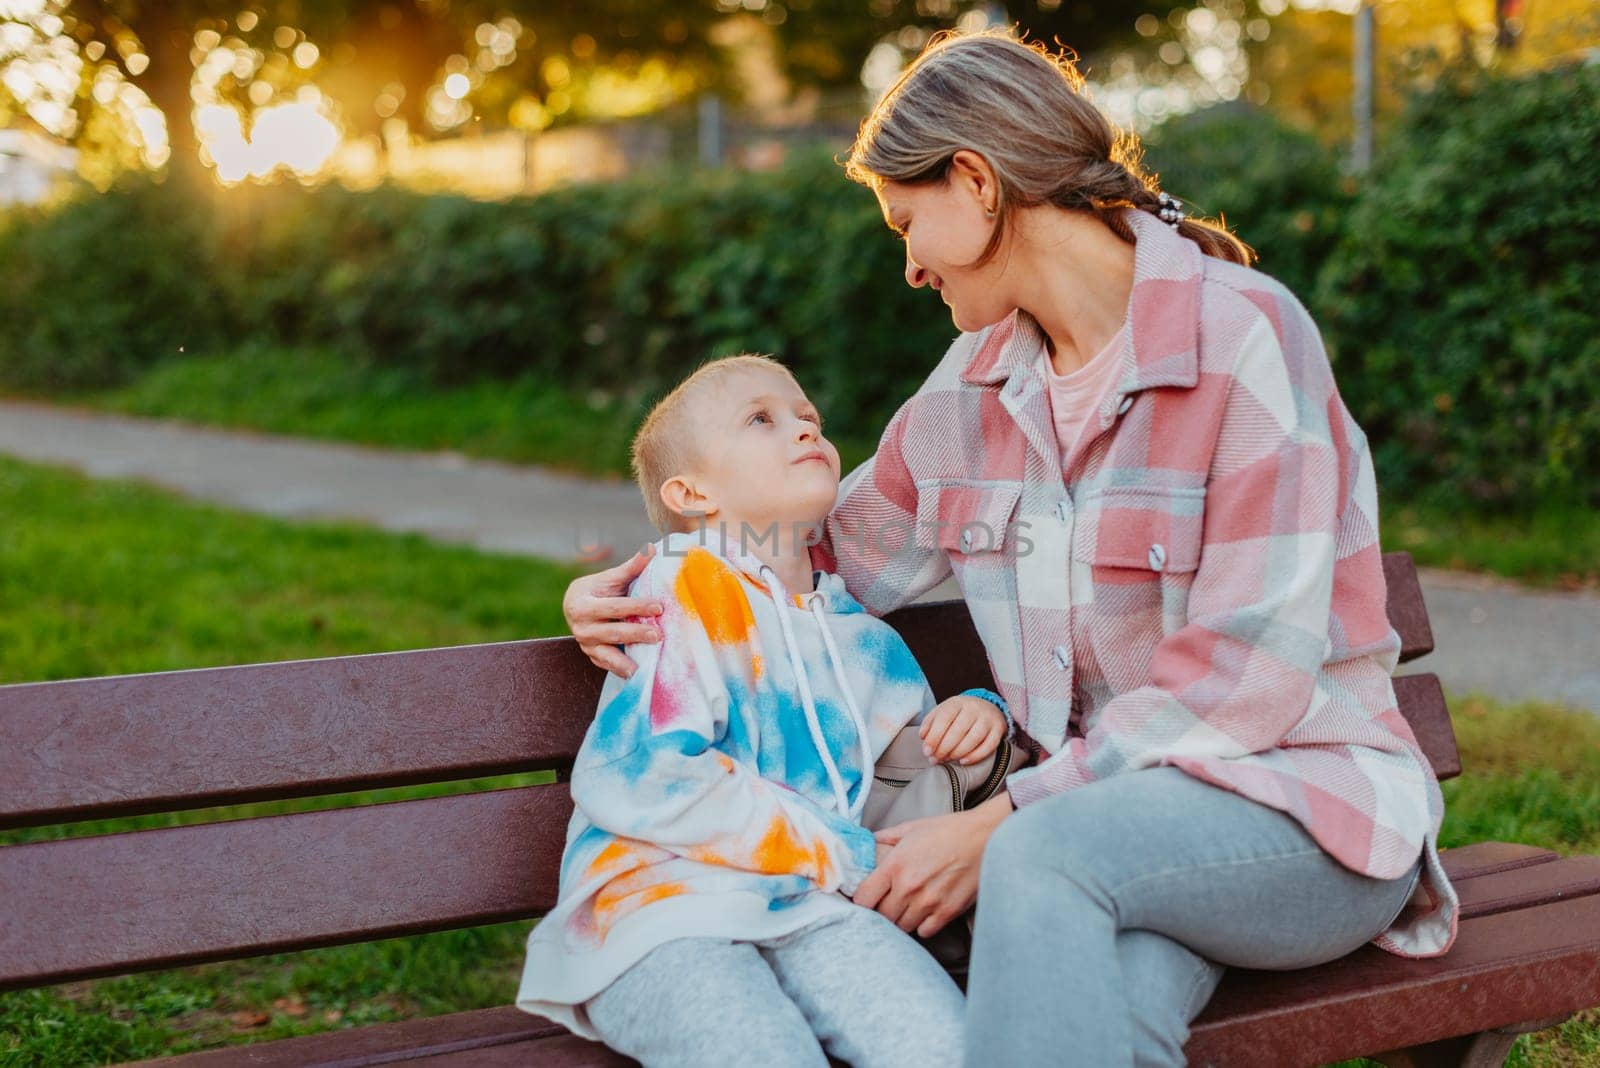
(763, 458)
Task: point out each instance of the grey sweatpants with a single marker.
(856, 987)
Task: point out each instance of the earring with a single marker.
(988, 213)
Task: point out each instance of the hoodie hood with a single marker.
(829, 587)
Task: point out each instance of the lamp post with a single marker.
(1364, 59)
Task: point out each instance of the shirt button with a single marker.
(1063, 659)
(1158, 556)
(1127, 402)
(1063, 511)
(966, 541)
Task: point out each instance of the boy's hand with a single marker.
(965, 729)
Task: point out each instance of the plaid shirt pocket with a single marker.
(1142, 529)
(1142, 549)
(970, 521)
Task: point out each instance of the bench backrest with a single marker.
(127, 745)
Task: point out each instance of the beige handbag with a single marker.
(907, 786)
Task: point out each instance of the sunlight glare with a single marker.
(297, 136)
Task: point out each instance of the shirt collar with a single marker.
(1163, 308)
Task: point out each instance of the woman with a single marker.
(1164, 522)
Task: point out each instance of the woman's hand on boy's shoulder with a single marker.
(963, 729)
(603, 617)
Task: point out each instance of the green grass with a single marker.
(323, 395)
(1531, 774)
(1558, 545)
(113, 1020)
(100, 578)
(105, 577)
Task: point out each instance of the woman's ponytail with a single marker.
(1022, 108)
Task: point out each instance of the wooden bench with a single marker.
(1528, 953)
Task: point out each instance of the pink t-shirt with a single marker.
(1075, 397)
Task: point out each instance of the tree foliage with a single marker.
(1305, 64)
(368, 49)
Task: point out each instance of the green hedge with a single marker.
(622, 286)
(1461, 304)
(1449, 285)
(90, 295)
(1277, 187)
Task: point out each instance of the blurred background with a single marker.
(342, 198)
(586, 200)
(478, 239)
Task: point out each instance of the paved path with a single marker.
(1494, 637)
(492, 506)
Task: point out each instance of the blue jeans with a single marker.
(1106, 915)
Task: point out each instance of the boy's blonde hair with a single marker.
(666, 444)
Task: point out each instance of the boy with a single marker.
(702, 916)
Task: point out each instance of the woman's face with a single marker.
(945, 230)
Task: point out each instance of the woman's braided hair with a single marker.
(1023, 109)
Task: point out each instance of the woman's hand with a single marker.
(931, 875)
(597, 608)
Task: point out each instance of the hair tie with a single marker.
(1170, 210)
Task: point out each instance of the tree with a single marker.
(150, 42)
(825, 41)
(1305, 63)
(153, 44)
(390, 57)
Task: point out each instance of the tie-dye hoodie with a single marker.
(718, 790)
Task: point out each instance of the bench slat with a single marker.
(182, 895)
(190, 739)
(1507, 890)
(177, 895)
(1421, 700)
(1486, 858)
(456, 1032)
(194, 739)
(1510, 967)
(1359, 988)
(565, 1051)
(1407, 612)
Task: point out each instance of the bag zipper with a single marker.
(955, 788)
(997, 777)
(989, 787)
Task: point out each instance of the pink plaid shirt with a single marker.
(1200, 587)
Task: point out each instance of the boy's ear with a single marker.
(682, 497)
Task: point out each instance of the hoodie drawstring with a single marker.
(841, 793)
(837, 662)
